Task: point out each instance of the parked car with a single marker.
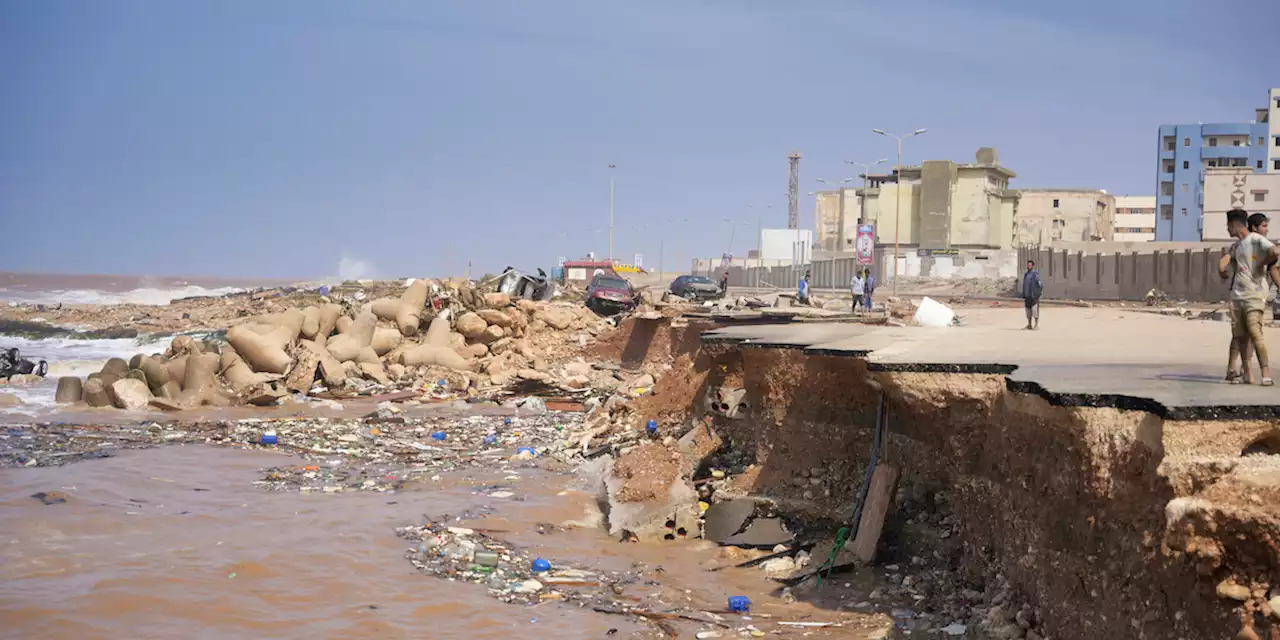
(609, 294)
(696, 288)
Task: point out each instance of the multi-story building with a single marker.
(1046, 216)
(1135, 219)
(1187, 150)
(1239, 188)
(944, 205)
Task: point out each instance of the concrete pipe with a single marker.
(95, 393)
(263, 353)
(70, 390)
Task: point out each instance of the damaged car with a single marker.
(696, 288)
(518, 284)
(610, 294)
(13, 364)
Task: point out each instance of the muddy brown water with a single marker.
(177, 542)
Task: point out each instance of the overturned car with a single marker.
(13, 364)
(518, 284)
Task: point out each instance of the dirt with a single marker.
(647, 472)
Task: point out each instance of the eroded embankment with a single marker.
(1111, 523)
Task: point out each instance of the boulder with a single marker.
(478, 350)
(471, 325)
(95, 392)
(396, 370)
(70, 390)
(428, 354)
(375, 372)
(495, 317)
(491, 334)
(303, 374)
(533, 374)
(577, 382)
(497, 300)
(556, 318)
(10, 400)
(130, 394)
(502, 346)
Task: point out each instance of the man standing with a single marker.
(724, 281)
(1032, 287)
(1247, 264)
(868, 288)
(857, 288)
(802, 296)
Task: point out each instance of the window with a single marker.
(1278, 141)
(1275, 164)
(1259, 196)
(1259, 164)
(1166, 212)
(1166, 188)
(1235, 143)
(1184, 211)
(1213, 142)
(1186, 164)
(1278, 103)
(1184, 187)
(1261, 141)
(1186, 142)
(1213, 163)
(1055, 203)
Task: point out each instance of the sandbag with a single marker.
(70, 390)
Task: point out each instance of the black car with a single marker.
(696, 288)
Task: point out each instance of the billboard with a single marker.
(865, 245)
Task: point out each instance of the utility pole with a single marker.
(897, 205)
(611, 168)
(793, 190)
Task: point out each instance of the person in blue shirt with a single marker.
(802, 296)
(868, 288)
(1032, 287)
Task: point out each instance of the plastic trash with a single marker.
(540, 565)
(528, 450)
(532, 404)
(323, 290)
(739, 604)
(269, 437)
(932, 313)
(439, 435)
(506, 421)
(490, 440)
(486, 558)
(651, 428)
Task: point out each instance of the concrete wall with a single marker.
(1187, 274)
(835, 273)
(937, 178)
(827, 215)
(1080, 215)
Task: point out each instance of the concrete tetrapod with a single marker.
(331, 369)
(70, 390)
(95, 393)
(407, 310)
(200, 386)
(329, 314)
(384, 340)
(238, 374)
(263, 353)
(156, 370)
(311, 322)
(346, 346)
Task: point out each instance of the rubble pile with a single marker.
(474, 340)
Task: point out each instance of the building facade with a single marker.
(1186, 151)
(1046, 216)
(1135, 219)
(944, 205)
(1239, 188)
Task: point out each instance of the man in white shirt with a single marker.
(856, 286)
(1247, 264)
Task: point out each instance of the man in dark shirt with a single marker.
(1032, 287)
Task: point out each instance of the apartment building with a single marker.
(1135, 219)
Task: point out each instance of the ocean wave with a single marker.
(147, 296)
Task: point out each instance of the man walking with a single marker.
(802, 296)
(1247, 264)
(724, 281)
(858, 288)
(868, 288)
(1032, 287)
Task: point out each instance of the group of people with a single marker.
(863, 285)
(1250, 263)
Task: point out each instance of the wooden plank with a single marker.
(884, 484)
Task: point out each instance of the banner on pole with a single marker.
(865, 245)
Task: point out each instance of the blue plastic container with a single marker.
(540, 565)
(439, 435)
(269, 437)
(739, 604)
(490, 440)
(651, 428)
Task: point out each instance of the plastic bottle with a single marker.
(651, 428)
(439, 435)
(540, 565)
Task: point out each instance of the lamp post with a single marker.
(897, 205)
(611, 168)
(866, 168)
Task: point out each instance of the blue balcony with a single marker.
(1166, 176)
(1224, 152)
(1226, 129)
(1166, 154)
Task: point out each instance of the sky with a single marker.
(309, 138)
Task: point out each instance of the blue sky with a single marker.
(255, 138)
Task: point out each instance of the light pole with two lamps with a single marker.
(897, 206)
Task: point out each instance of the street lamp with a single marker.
(611, 168)
(897, 205)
